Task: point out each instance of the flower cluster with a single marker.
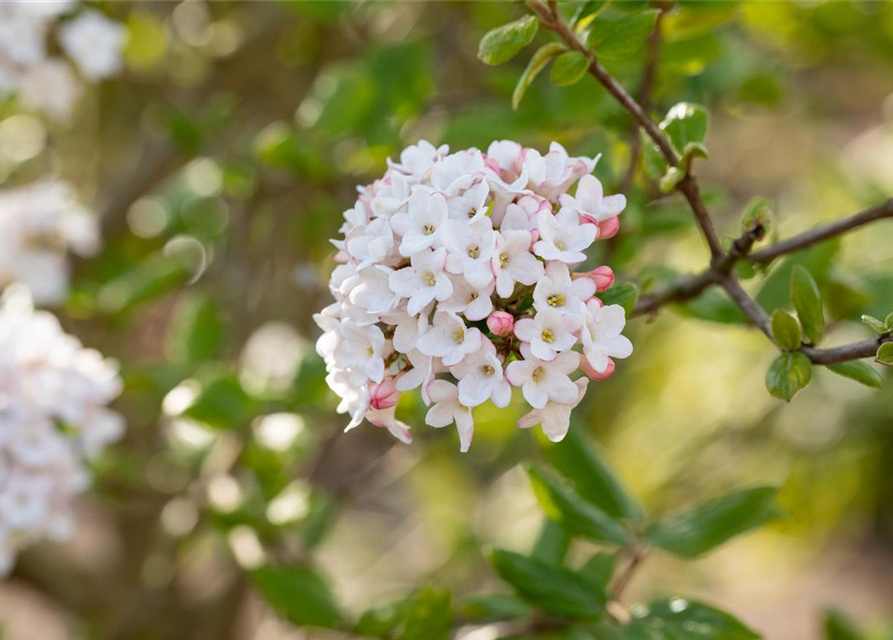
(39, 224)
(53, 419)
(93, 42)
(456, 278)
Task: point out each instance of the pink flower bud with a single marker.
(603, 277)
(534, 236)
(501, 323)
(586, 368)
(384, 395)
(608, 228)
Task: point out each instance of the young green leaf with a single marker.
(599, 570)
(757, 213)
(553, 589)
(569, 68)
(585, 12)
(839, 627)
(808, 303)
(788, 374)
(537, 63)
(552, 543)
(885, 354)
(503, 43)
(889, 322)
(686, 123)
(678, 618)
(489, 607)
(879, 326)
(694, 533)
(624, 37)
(566, 507)
(626, 295)
(579, 461)
(428, 615)
(196, 332)
(222, 403)
(671, 178)
(859, 371)
(298, 594)
(786, 330)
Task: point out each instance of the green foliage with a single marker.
(788, 374)
(503, 43)
(624, 37)
(599, 570)
(693, 533)
(678, 618)
(626, 295)
(196, 333)
(839, 627)
(881, 327)
(552, 543)
(686, 124)
(786, 330)
(569, 68)
(572, 512)
(298, 594)
(808, 302)
(859, 371)
(221, 402)
(538, 62)
(885, 354)
(757, 214)
(427, 615)
(147, 280)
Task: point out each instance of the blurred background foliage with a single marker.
(220, 164)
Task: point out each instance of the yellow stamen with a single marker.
(429, 279)
(548, 336)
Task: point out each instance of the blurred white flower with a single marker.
(94, 43)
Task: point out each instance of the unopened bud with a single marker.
(501, 323)
(603, 277)
(588, 369)
(384, 395)
(608, 228)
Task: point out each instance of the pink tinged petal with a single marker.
(442, 391)
(526, 269)
(500, 323)
(566, 362)
(608, 228)
(479, 274)
(556, 421)
(597, 360)
(548, 251)
(443, 287)
(479, 309)
(619, 347)
(414, 242)
(583, 288)
(505, 284)
(542, 350)
(440, 415)
(501, 393)
(592, 374)
(436, 343)
(473, 339)
(535, 394)
(465, 427)
(420, 300)
(560, 388)
(454, 263)
(529, 419)
(614, 205)
(472, 392)
(400, 430)
(518, 372)
(400, 223)
(564, 342)
(375, 369)
(525, 329)
(404, 282)
(571, 257)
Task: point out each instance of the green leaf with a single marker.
(380, 621)
(838, 626)
(503, 43)
(859, 371)
(428, 615)
(495, 606)
(623, 38)
(148, 280)
(552, 543)
(788, 374)
(566, 507)
(889, 321)
(677, 618)
(686, 123)
(196, 332)
(298, 594)
(569, 68)
(585, 12)
(671, 178)
(885, 354)
(715, 306)
(626, 295)
(808, 303)
(877, 325)
(786, 330)
(537, 63)
(702, 529)
(757, 213)
(579, 461)
(553, 589)
(222, 403)
(599, 570)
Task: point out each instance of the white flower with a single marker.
(552, 174)
(407, 329)
(95, 44)
(601, 335)
(548, 332)
(472, 302)
(449, 339)
(425, 280)
(457, 172)
(470, 246)
(448, 409)
(558, 291)
(362, 352)
(419, 227)
(513, 262)
(542, 381)
(591, 203)
(371, 244)
(562, 237)
(373, 291)
(51, 87)
(421, 373)
(481, 378)
(554, 418)
(386, 419)
(417, 160)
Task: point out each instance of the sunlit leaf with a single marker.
(678, 618)
(537, 63)
(569, 68)
(808, 303)
(786, 330)
(885, 354)
(503, 43)
(298, 594)
(788, 374)
(624, 37)
(626, 295)
(859, 371)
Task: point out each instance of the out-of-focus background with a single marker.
(221, 162)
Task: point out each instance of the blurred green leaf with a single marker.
(715, 306)
(572, 512)
(678, 619)
(495, 606)
(685, 123)
(624, 37)
(380, 621)
(147, 280)
(569, 68)
(599, 570)
(885, 354)
(845, 295)
(585, 12)
(775, 290)
(503, 43)
(859, 371)
(626, 295)
(878, 326)
(757, 213)
(788, 374)
(147, 41)
(786, 330)
(298, 594)
(427, 615)
(693, 533)
(551, 544)
(808, 303)
(185, 132)
(838, 626)
(222, 403)
(537, 63)
(553, 589)
(196, 332)
(579, 461)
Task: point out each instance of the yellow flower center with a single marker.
(474, 252)
(548, 336)
(538, 374)
(370, 351)
(555, 300)
(429, 279)
(488, 370)
(428, 229)
(459, 336)
(503, 260)
(559, 245)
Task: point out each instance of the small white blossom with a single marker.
(94, 42)
(448, 409)
(481, 378)
(543, 381)
(423, 281)
(601, 336)
(449, 339)
(470, 247)
(562, 237)
(513, 262)
(558, 291)
(591, 203)
(362, 352)
(420, 225)
(554, 418)
(548, 332)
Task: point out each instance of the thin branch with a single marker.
(815, 236)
